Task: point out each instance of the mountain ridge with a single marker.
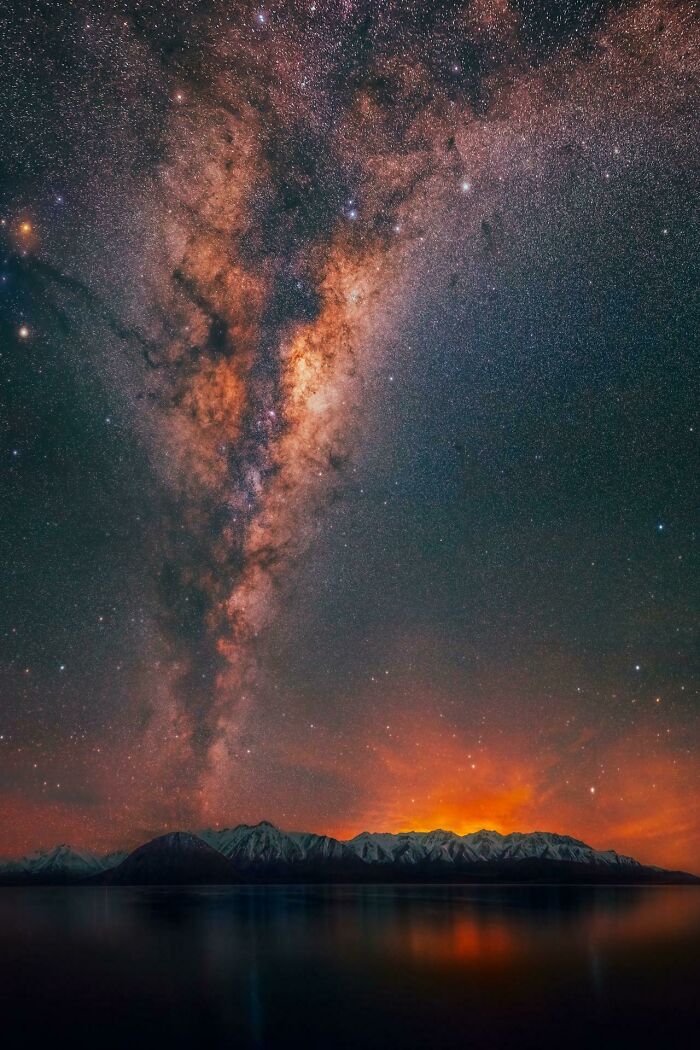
(263, 852)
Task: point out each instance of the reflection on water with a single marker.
(351, 966)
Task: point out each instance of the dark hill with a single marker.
(179, 858)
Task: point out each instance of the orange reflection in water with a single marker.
(463, 938)
(493, 929)
(656, 912)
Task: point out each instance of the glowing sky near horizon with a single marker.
(349, 428)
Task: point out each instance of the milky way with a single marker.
(349, 440)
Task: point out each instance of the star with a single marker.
(244, 317)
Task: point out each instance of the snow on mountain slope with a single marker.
(263, 843)
(408, 848)
(420, 847)
(322, 847)
(61, 861)
(263, 846)
(257, 843)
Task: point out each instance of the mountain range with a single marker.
(264, 853)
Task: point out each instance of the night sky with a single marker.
(348, 425)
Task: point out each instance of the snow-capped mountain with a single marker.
(60, 862)
(254, 843)
(263, 844)
(265, 853)
(421, 847)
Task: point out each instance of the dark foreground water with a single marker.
(350, 967)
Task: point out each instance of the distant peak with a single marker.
(223, 855)
(53, 851)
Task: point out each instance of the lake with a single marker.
(350, 966)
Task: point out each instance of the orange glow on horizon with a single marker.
(420, 775)
(644, 805)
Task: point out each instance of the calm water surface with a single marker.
(351, 967)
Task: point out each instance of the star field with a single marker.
(348, 432)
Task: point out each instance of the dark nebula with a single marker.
(348, 422)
